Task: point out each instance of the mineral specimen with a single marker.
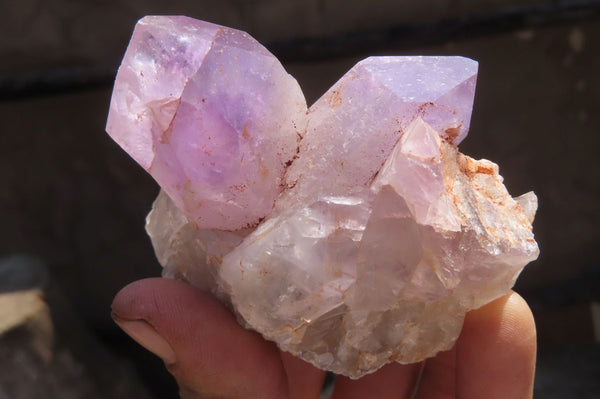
(352, 233)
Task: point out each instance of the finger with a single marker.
(304, 380)
(391, 381)
(496, 351)
(203, 346)
(438, 380)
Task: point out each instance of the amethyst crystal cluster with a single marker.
(352, 233)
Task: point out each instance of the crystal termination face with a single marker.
(352, 233)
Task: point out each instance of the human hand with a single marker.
(212, 356)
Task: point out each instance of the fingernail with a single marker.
(145, 335)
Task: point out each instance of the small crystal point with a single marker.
(441, 88)
(352, 234)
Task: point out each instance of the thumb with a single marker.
(207, 351)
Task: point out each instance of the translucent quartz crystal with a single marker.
(363, 115)
(210, 114)
(353, 233)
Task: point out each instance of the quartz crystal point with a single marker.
(363, 115)
(353, 234)
(210, 114)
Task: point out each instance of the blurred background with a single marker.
(72, 204)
